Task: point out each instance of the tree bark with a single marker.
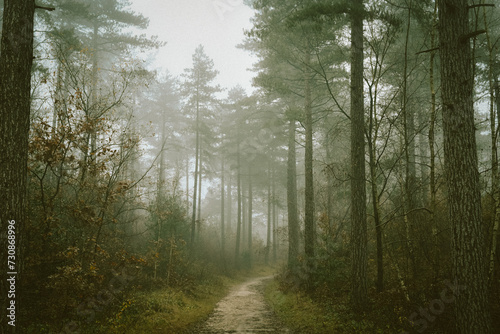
(309, 234)
(268, 235)
(195, 186)
(250, 213)
(16, 59)
(432, 150)
(293, 222)
(359, 297)
(469, 258)
(238, 222)
(222, 213)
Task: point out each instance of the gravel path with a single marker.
(243, 310)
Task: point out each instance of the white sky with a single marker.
(216, 24)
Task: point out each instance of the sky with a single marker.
(216, 24)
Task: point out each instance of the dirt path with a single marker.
(243, 310)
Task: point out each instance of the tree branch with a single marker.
(471, 35)
(50, 9)
(425, 51)
(481, 5)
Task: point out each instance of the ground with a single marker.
(243, 310)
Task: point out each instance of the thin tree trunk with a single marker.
(187, 187)
(372, 147)
(469, 258)
(244, 211)
(409, 153)
(269, 220)
(238, 222)
(200, 174)
(359, 238)
(229, 205)
(195, 187)
(250, 213)
(222, 213)
(494, 236)
(293, 222)
(495, 191)
(275, 229)
(432, 157)
(309, 234)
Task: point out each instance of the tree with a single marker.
(469, 259)
(199, 99)
(16, 59)
(359, 295)
(291, 195)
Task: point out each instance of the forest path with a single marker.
(243, 310)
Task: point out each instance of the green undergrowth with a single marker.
(175, 309)
(303, 314)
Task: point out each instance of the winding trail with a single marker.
(243, 310)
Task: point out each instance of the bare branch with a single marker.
(471, 35)
(425, 51)
(50, 9)
(481, 5)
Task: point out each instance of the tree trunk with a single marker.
(222, 213)
(200, 174)
(432, 151)
(250, 212)
(16, 58)
(293, 222)
(195, 187)
(309, 234)
(494, 237)
(229, 227)
(269, 220)
(493, 85)
(359, 297)
(372, 147)
(238, 222)
(273, 213)
(469, 259)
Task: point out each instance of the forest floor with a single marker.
(244, 310)
(217, 304)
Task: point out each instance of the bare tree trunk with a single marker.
(469, 258)
(275, 228)
(222, 213)
(200, 174)
(250, 213)
(293, 222)
(269, 219)
(195, 187)
(309, 234)
(494, 237)
(409, 153)
(238, 222)
(432, 156)
(16, 59)
(229, 206)
(359, 292)
(372, 147)
(187, 187)
(495, 191)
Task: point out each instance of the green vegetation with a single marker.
(324, 312)
(168, 310)
(174, 310)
